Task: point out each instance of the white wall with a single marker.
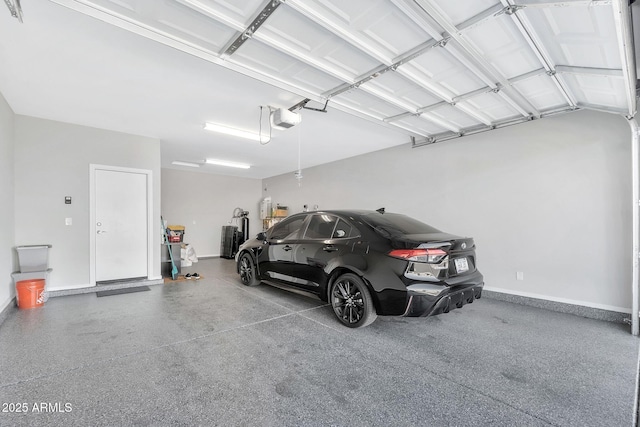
(203, 203)
(549, 198)
(52, 161)
(7, 241)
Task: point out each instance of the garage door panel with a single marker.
(306, 38)
(175, 19)
(500, 42)
(441, 68)
(256, 55)
(377, 23)
(363, 101)
(597, 90)
(542, 92)
(421, 125)
(394, 84)
(492, 106)
(580, 36)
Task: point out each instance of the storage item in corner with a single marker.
(187, 256)
(33, 258)
(165, 260)
(229, 241)
(280, 211)
(175, 233)
(30, 293)
(265, 208)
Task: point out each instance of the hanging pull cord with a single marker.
(260, 127)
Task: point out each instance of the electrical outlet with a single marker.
(519, 275)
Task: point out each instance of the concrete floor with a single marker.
(213, 352)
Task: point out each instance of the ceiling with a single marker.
(386, 72)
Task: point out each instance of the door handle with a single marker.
(100, 231)
(287, 248)
(330, 248)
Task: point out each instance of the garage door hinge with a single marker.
(509, 10)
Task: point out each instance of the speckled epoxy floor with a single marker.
(213, 352)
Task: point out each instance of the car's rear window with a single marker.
(395, 224)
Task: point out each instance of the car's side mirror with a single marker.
(262, 236)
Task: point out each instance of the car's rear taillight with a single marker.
(429, 255)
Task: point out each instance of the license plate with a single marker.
(461, 265)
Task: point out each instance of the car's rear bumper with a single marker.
(429, 300)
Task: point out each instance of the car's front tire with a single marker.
(351, 301)
(248, 271)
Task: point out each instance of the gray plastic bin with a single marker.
(33, 258)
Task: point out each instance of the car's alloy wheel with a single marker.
(351, 301)
(248, 273)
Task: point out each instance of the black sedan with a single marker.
(365, 263)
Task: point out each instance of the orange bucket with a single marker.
(30, 293)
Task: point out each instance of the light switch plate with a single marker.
(68, 221)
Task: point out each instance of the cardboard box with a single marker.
(280, 211)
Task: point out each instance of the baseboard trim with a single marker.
(8, 310)
(561, 307)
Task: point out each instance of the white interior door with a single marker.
(120, 225)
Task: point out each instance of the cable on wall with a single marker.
(298, 173)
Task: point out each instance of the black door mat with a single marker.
(117, 281)
(122, 291)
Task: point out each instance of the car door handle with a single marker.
(330, 248)
(287, 248)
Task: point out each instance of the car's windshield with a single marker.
(396, 224)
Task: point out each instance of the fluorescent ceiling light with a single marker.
(226, 163)
(191, 165)
(236, 132)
